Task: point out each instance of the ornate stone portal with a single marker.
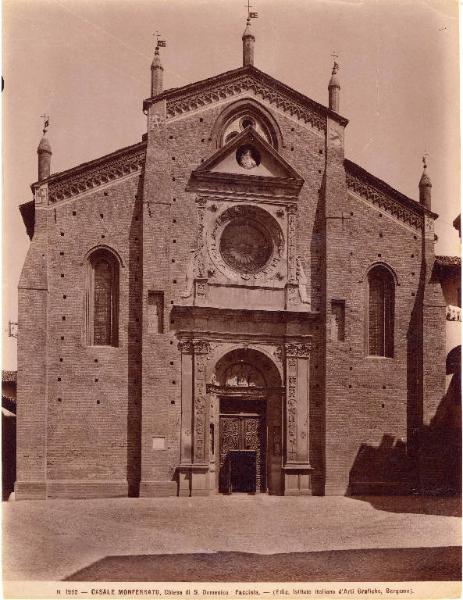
(242, 430)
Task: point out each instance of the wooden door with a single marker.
(242, 453)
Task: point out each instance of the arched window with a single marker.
(102, 299)
(242, 114)
(380, 312)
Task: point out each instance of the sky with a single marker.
(86, 63)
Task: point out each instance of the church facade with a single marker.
(229, 305)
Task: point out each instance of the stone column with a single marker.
(297, 467)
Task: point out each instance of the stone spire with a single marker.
(248, 44)
(156, 74)
(425, 186)
(44, 153)
(333, 88)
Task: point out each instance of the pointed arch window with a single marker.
(380, 312)
(102, 299)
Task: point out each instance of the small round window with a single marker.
(245, 245)
(246, 122)
(248, 157)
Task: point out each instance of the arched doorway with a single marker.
(246, 423)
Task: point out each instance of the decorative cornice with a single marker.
(238, 86)
(256, 315)
(386, 197)
(244, 79)
(95, 173)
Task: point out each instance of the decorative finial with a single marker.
(44, 151)
(248, 38)
(156, 66)
(251, 15)
(46, 123)
(333, 86)
(159, 43)
(425, 184)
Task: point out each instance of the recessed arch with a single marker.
(247, 108)
(263, 368)
(246, 419)
(222, 350)
(104, 247)
(102, 297)
(383, 264)
(380, 314)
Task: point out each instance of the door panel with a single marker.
(242, 453)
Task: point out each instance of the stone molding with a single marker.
(90, 177)
(244, 83)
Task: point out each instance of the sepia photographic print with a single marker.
(231, 299)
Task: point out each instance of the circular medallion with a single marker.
(247, 157)
(245, 246)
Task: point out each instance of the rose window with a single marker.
(246, 243)
(245, 246)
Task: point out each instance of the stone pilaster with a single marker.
(297, 467)
(194, 447)
(292, 288)
(186, 442)
(200, 281)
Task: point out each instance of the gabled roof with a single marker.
(113, 160)
(385, 196)
(193, 95)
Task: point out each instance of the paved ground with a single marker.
(307, 538)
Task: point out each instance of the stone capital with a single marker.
(292, 209)
(201, 201)
(185, 346)
(298, 349)
(194, 346)
(201, 347)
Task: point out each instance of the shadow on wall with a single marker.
(134, 367)
(432, 466)
(440, 447)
